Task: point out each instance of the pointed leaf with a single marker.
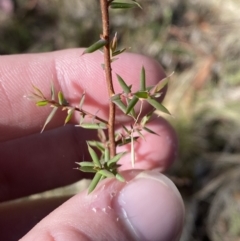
(82, 100)
(126, 141)
(142, 94)
(94, 156)
(97, 144)
(52, 91)
(131, 104)
(98, 45)
(121, 5)
(86, 164)
(94, 182)
(120, 177)
(106, 173)
(150, 131)
(158, 106)
(115, 159)
(132, 151)
(127, 131)
(49, 118)
(69, 116)
(132, 112)
(114, 43)
(94, 126)
(161, 84)
(124, 86)
(143, 80)
(115, 53)
(61, 99)
(87, 169)
(120, 105)
(146, 118)
(106, 155)
(42, 103)
(38, 92)
(141, 135)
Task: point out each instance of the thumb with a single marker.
(146, 207)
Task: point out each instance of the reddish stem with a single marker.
(108, 72)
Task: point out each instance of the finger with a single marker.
(118, 212)
(23, 215)
(41, 162)
(45, 161)
(70, 72)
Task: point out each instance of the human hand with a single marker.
(146, 207)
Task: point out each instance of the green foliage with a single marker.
(103, 167)
(124, 4)
(103, 164)
(96, 46)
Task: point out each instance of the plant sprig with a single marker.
(104, 159)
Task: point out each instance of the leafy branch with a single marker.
(104, 163)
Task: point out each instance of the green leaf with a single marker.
(52, 91)
(131, 104)
(122, 5)
(127, 131)
(98, 45)
(141, 135)
(146, 118)
(69, 116)
(161, 84)
(87, 169)
(60, 98)
(86, 164)
(82, 100)
(94, 156)
(158, 106)
(120, 177)
(49, 118)
(138, 4)
(38, 92)
(97, 144)
(113, 43)
(120, 105)
(115, 159)
(115, 53)
(126, 141)
(150, 131)
(143, 80)
(132, 151)
(94, 182)
(93, 126)
(106, 173)
(132, 112)
(142, 94)
(42, 103)
(124, 86)
(106, 155)
(62, 101)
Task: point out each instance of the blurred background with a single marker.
(198, 40)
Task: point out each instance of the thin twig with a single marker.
(54, 103)
(108, 73)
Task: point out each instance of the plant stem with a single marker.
(108, 72)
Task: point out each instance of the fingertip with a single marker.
(133, 210)
(151, 207)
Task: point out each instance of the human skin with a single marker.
(32, 162)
